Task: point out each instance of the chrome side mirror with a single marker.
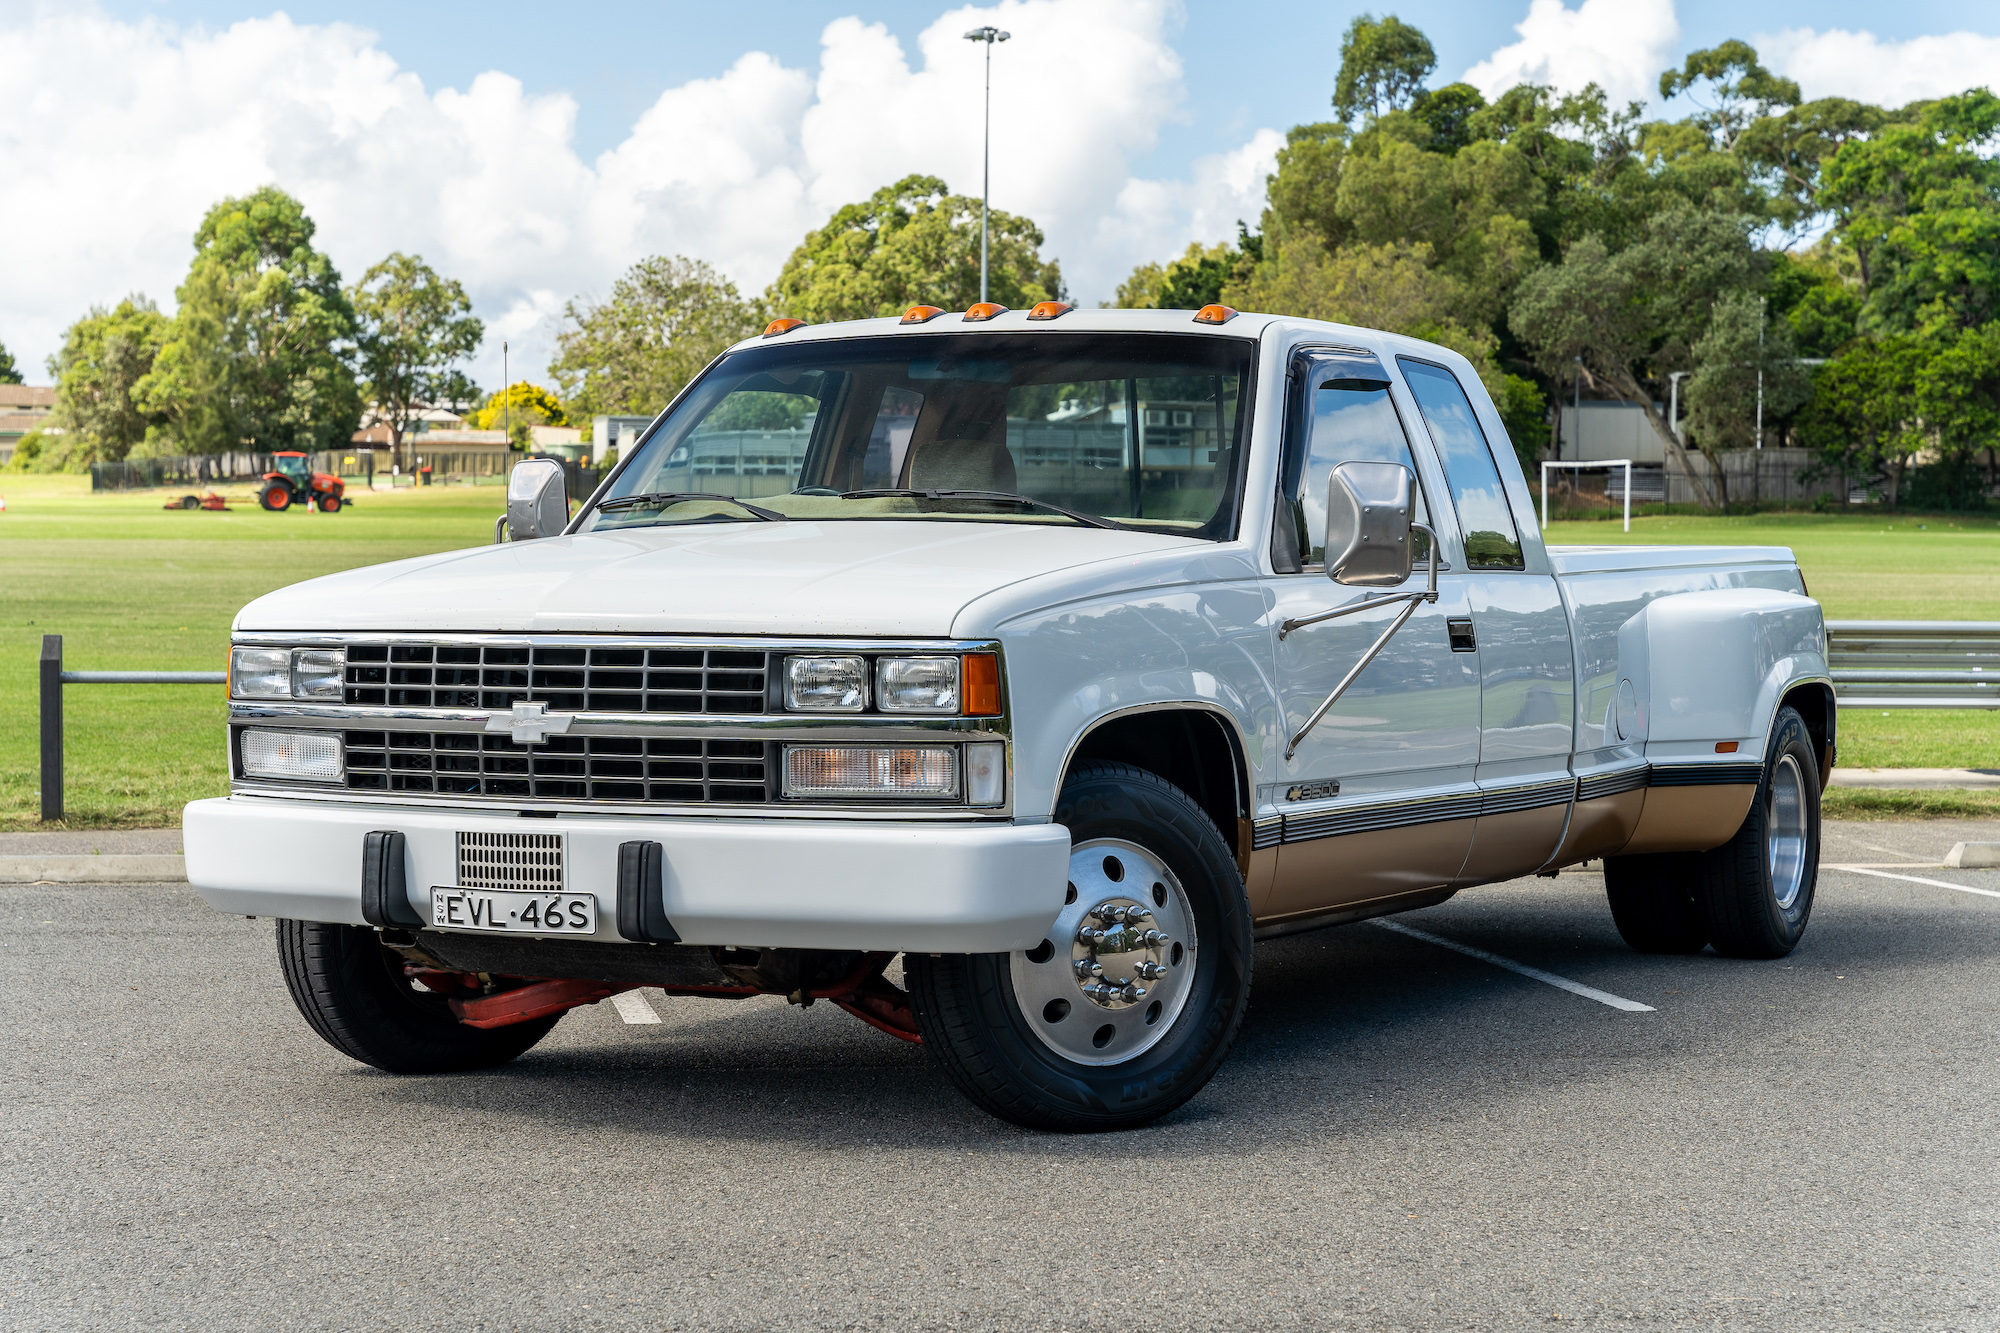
(1368, 511)
(537, 500)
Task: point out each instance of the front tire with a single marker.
(1128, 1007)
(1755, 892)
(352, 992)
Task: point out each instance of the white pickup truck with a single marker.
(1063, 654)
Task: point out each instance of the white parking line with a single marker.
(633, 1008)
(1917, 879)
(1546, 978)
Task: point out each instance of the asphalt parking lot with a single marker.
(1407, 1137)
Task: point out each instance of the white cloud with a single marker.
(108, 175)
(1620, 45)
(1860, 65)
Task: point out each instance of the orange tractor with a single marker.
(293, 482)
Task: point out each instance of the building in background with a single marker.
(606, 432)
(23, 407)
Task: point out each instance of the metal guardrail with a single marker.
(1914, 663)
(53, 680)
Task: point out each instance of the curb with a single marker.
(93, 869)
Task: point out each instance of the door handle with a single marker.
(1460, 630)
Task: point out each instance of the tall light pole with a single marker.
(988, 35)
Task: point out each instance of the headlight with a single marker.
(301, 756)
(917, 684)
(287, 673)
(923, 772)
(260, 673)
(826, 684)
(316, 673)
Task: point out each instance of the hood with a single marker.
(869, 577)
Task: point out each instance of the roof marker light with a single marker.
(781, 326)
(1214, 314)
(985, 310)
(1050, 310)
(920, 314)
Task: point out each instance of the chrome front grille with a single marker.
(603, 768)
(569, 678)
(531, 861)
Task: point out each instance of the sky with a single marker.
(535, 152)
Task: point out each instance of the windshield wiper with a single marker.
(664, 498)
(1005, 496)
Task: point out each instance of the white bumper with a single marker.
(773, 883)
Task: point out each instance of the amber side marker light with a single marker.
(1725, 747)
(1050, 310)
(781, 326)
(982, 685)
(921, 314)
(1214, 314)
(985, 310)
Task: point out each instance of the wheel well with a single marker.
(1814, 702)
(1189, 747)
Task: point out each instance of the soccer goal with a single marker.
(1625, 463)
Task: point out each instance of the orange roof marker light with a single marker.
(1050, 310)
(921, 314)
(782, 326)
(1214, 314)
(985, 310)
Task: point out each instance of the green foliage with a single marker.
(911, 243)
(1731, 89)
(1524, 411)
(258, 354)
(1383, 65)
(1194, 280)
(37, 451)
(1141, 289)
(666, 319)
(9, 372)
(414, 327)
(1448, 113)
(104, 358)
(1741, 344)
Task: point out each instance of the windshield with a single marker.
(1128, 430)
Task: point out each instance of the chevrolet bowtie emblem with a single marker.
(530, 724)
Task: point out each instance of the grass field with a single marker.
(132, 586)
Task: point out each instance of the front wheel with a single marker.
(1755, 892)
(1128, 1006)
(352, 990)
(329, 504)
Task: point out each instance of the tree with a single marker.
(666, 319)
(519, 408)
(1194, 280)
(1632, 317)
(9, 372)
(104, 357)
(1739, 91)
(258, 353)
(414, 327)
(1743, 357)
(1383, 65)
(911, 243)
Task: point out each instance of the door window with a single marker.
(1491, 539)
(1352, 421)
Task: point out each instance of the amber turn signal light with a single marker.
(1726, 747)
(1214, 314)
(983, 311)
(1050, 310)
(785, 325)
(982, 685)
(920, 314)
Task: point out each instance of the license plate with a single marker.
(510, 912)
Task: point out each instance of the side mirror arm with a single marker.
(1411, 600)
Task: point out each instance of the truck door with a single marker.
(1378, 799)
(1521, 634)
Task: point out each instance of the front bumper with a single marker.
(755, 883)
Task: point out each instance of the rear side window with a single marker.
(1491, 539)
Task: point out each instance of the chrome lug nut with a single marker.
(1153, 937)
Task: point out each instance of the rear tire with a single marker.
(1020, 1035)
(1755, 892)
(276, 497)
(190, 502)
(352, 991)
(1652, 901)
(329, 504)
